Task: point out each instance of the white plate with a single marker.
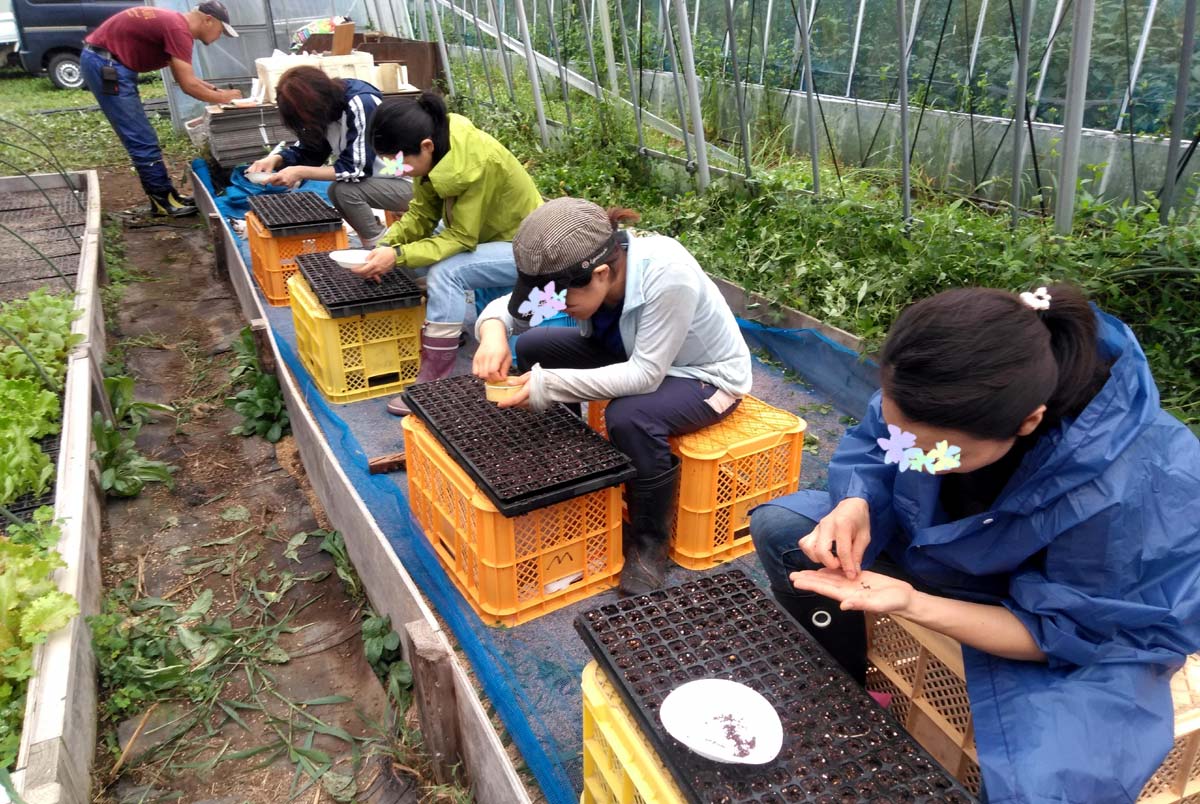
(723, 721)
(259, 176)
(350, 257)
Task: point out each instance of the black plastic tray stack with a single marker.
(289, 214)
(24, 507)
(522, 460)
(838, 746)
(343, 294)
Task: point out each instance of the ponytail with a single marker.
(400, 126)
(980, 360)
(618, 216)
(1081, 370)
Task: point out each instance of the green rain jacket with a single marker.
(478, 188)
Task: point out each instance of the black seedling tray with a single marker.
(344, 294)
(287, 214)
(522, 460)
(838, 745)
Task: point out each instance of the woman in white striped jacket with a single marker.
(330, 117)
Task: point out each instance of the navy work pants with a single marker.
(637, 425)
(127, 117)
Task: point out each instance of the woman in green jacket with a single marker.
(476, 189)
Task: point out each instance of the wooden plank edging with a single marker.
(58, 735)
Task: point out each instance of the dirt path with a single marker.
(224, 530)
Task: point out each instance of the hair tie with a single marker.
(1038, 300)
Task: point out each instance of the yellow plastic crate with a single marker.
(619, 765)
(923, 671)
(359, 356)
(746, 459)
(511, 570)
(273, 259)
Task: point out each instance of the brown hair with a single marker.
(980, 360)
(309, 101)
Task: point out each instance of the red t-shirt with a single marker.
(144, 38)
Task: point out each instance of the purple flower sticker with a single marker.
(894, 447)
(900, 448)
(543, 304)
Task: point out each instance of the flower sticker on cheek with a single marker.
(900, 448)
(394, 168)
(543, 304)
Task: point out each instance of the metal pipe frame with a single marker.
(562, 67)
(669, 40)
(693, 88)
(1020, 89)
(762, 68)
(1179, 113)
(606, 36)
(858, 23)
(978, 36)
(737, 89)
(504, 62)
(531, 68)
(804, 24)
(487, 72)
(1055, 26)
(1135, 71)
(1077, 70)
(591, 51)
(902, 101)
(441, 40)
(633, 85)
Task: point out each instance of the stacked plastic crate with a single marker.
(358, 339)
(282, 226)
(523, 509)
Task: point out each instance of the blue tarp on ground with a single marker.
(531, 673)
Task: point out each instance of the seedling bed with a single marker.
(38, 218)
(23, 507)
(343, 294)
(289, 214)
(62, 198)
(521, 459)
(39, 233)
(838, 745)
(37, 268)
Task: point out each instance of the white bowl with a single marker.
(350, 257)
(724, 721)
(259, 176)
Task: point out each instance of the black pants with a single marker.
(637, 425)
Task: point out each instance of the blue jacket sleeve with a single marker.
(300, 154)
(356, 159)
(858, 470)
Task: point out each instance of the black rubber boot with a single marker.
(651, 505)
(172, 204)
(842, 633)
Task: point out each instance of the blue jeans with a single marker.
(490, 265)
(127, 117)
(776, 532)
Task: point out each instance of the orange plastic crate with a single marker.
(273, 259)
(510, 570)
(923, 671)
(746, 459)
(359, 356)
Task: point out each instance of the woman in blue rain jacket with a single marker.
(1018, 488)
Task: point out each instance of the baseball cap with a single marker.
(215, 8)
(562, 241)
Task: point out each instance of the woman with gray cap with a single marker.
(655, 337)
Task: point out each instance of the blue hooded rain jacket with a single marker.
(1095, 545)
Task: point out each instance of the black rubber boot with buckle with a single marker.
(651, 510)
(171, 204)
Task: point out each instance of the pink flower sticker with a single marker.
(543, 304)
